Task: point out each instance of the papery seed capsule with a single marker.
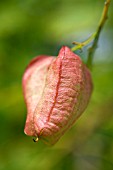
(33, 85)
(56, 95)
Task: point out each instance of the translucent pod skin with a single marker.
(33, 84)
(57, 91)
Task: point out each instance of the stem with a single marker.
(94, 37)
(97, 35)
(80, 45)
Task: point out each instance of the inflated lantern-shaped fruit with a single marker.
(56, 91)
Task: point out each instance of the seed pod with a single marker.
(33, 85)
(57, 91)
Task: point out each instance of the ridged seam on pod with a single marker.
(56, 91)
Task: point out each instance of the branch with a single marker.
(94, 37)
(80, 45)
(97, 35)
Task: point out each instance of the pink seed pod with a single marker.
(56, 92)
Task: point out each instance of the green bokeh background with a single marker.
(32, 27)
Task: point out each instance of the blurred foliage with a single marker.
(32, 27)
